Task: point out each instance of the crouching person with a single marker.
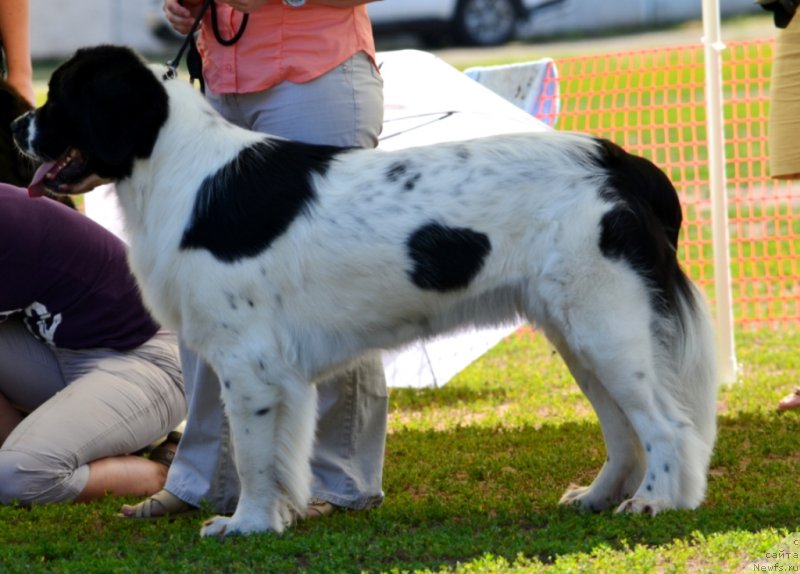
(86, 376)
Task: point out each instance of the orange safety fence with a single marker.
(653, 103)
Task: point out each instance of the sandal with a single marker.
(790, 401)
(165, 452)
(162, 504)
(317, 508)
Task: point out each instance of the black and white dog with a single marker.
(279, 261)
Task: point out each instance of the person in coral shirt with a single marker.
(303, 70)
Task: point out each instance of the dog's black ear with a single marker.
(12, 104)
(115, 101)
(126, 111)
(6, 112)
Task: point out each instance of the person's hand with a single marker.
(181, 15)
(245, 6)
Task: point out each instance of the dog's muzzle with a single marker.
(20, 129)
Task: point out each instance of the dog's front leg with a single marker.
(272, 413)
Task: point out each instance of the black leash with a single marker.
(218, 36)
(193, 61)
(176, 61)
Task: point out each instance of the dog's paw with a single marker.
(638, 505)
(221, 526)
(217, 526)
(574, 496)
(584, 498)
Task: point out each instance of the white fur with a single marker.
(335, 284)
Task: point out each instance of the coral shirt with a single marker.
(281, 43)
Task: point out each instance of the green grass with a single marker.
(473, 474)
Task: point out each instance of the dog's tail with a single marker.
(688, 332)
(694, 354)
(687, 361)
(692, 381)
(688, 372)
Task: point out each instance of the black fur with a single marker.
(643, 228)
(242, 208)
(14, 167)
(396, 171)
(446, 258)
(96, 85)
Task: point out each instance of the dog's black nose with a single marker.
(19, 127)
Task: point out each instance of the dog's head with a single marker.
(104, 110)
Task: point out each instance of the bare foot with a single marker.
(790, 401)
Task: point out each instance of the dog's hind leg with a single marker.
(659, 369)
(625, 465)
(608, 326)
(626, 368)
(628, 379)
(272, 413)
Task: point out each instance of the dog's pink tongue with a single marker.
(36, 187)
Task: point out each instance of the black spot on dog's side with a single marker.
(240, 210)
(395, 172)
(262, 412)
(446, 258)
(411, 182)
(398, 171)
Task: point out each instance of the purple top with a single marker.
(67, 276)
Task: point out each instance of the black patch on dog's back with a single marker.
(643, 226)
(241, 209)
(446, 258)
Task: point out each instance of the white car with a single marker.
(472, 22)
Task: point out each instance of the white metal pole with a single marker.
(719, 199)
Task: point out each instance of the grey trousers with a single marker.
(84, 405)
(344, 107)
